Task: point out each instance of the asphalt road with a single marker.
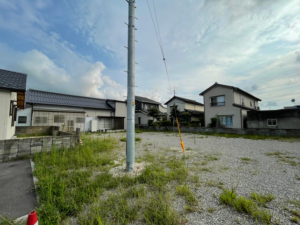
(17, 194)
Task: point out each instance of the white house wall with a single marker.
(247, 99)
(24, 112)
(227, 110)
(194, 107)
(6, 130)
(121, 111)
(144, 118)
(162, 109)
(180, 105)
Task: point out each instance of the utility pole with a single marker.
(130, 144)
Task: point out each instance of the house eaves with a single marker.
(185, 100)
(37, 97)
(230, 87)
(13, 81)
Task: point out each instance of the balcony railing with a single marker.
(217, 103)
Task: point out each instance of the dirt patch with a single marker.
(120, 171)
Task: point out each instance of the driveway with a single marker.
(17, 194)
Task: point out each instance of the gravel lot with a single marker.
(261, 166)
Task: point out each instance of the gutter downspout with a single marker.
(241, 118)
(31, 115)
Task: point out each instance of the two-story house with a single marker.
(142, 106)
(12, 97)
(193, 108)
(228, 104)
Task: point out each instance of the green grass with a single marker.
(187, 194)
(246, 159)
(159, 211)
(294, 219)
(262, 200)
(283, 157)
(244, 205)
(124, 139)
(67, 186)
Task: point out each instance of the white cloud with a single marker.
(231, 42)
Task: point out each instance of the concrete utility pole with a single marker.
(130, 146)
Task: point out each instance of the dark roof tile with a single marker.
(51, 98)
(185, 100)
(12, 80)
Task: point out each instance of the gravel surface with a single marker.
(261, 166)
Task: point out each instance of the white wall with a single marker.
(162, 109)
(6, 130)
(194, 107)
(144, 118)
(24, 112)
(121, 110)
(247, 99)
(180, 106)
(227, 110)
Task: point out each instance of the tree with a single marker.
(154, 112)
(175, 112)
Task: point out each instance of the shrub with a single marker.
(150, 122)
(166, 123)
(213, 122)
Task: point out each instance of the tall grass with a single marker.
(68, 188)
(64, 184)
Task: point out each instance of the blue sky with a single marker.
(77, 47)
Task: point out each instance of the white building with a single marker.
(70, 112)
(184, 105)
(228, 104)
(142, 105)
(12, 90)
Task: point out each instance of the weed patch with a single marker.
(244, 205)
(187, 194)
(159, 211)
(262, 200)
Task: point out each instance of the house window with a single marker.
(40, 119)
(272, 122)
(59, 118)
(243, 101)
(250, 104)
(226, 121)
(217, 101)
(80, 120)
(22, 119)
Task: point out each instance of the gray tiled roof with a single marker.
(12, 80)
(51, 98)
(185, 100)
(143, 99)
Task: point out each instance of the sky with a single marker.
(77, 47)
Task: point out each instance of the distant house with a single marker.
(12, 95)
(274, 119)
(228, 104)
(194, 109)
(142, 107)
(70, 112)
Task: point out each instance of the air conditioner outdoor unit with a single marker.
(94, 125)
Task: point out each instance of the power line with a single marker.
(278, 85)
(272, 77)
(158, 36)
(274, 90)
(278, 97)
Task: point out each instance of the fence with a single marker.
(267, 132)
(37, 130)
(15, 148)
